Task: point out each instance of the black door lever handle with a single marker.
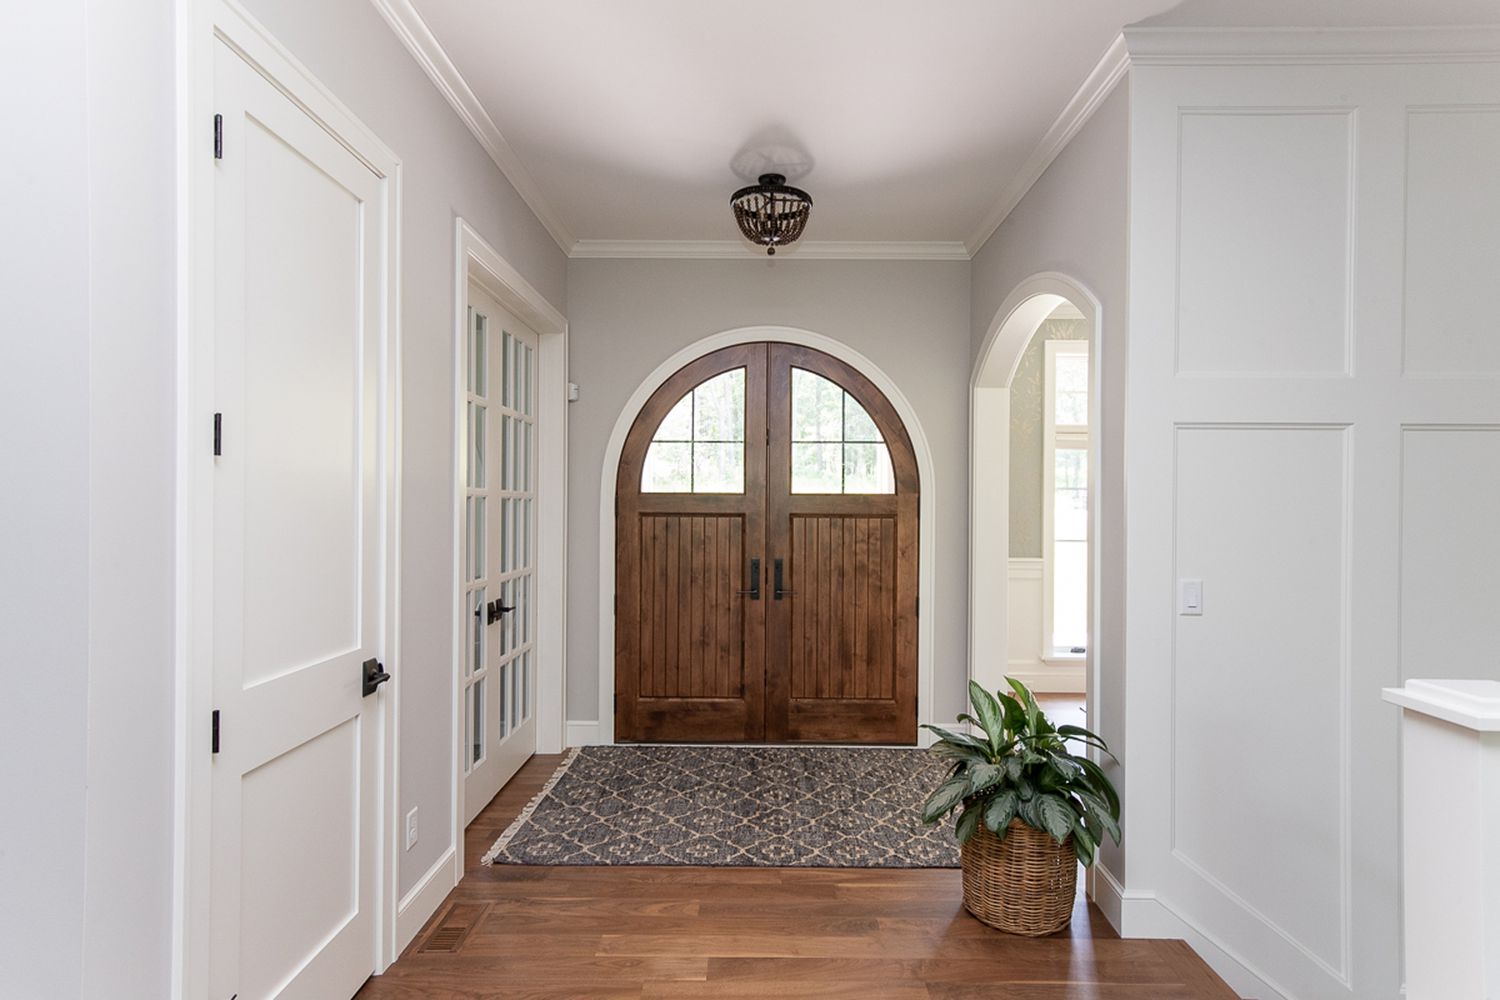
(372, 674)
(494, 610)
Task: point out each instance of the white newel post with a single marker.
(1450, 814)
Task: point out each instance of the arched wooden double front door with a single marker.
(766, 556)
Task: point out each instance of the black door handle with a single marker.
(373, 675)
(780, 590)
(494, 610)
(754, 592)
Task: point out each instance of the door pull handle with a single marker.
(493, 611)
(780, 590)
(754, 592)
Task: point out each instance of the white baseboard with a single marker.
(583, 733)
(1048, 678)
(1108, 894)
(1146, 915)
(424, 899)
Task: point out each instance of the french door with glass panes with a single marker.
(499, 529)
(766, 556)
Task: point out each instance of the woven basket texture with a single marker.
(1024, 884)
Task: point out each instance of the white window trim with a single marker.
(1056, 436)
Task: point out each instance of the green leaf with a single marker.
(1084, 842)
(1027, 810)
(1033, 712)
(1098, 811)
(968, 823)
(949, 794)
(982, 776)
(1078, 731)
(1057, 816)
(1013, 768)
(1101, 784)
(957, 752)
(1066, 766)
(988, 709)
(962, 739)
(1000, 810)
(1015, 715)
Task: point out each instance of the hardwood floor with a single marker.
(510, 933)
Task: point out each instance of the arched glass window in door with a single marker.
(699, 447)
(836, 447)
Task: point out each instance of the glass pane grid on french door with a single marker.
(476, 502)
(512, 658)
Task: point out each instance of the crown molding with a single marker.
(741, 250)
(425, 48)
(1168, 46)
(1097, 86)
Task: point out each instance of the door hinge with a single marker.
(916, 607)
(215, 743)
(218, 434)
(218, 137)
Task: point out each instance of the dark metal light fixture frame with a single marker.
(771, 213)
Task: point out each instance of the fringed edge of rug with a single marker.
(536, 800)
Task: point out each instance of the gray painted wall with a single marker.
(1027, 431)
(909, 318)
(445, 174)
(1073, 220)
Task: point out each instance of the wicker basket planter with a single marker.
(1024, 884)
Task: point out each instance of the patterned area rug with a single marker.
(812, 807)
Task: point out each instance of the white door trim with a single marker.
(477, 261)
(926, 504)
(202, 25)
(1009, 333)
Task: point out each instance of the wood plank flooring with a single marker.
(512, 933)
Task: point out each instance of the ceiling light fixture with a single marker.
(770, 213)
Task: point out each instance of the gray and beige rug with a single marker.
(812, 807)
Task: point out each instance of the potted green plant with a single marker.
(1029, 809)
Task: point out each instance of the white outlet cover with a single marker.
(411, 829)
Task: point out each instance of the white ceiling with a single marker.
(904, 121)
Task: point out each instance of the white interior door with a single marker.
(499, 482)
(298, 557)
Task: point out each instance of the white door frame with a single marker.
(204, 24)
(926, 503)
(477, 261)
(989, 471)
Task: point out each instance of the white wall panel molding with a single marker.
(1297, 576)
(1451, 241)
(1171, 46)
(1329, 493)
(1256, 296)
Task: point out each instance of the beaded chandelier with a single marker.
(770, 213)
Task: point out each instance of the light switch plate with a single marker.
(1190, 597)
(411, 828)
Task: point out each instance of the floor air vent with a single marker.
(454, 928)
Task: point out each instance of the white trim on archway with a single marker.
(926, 504)
(1023, 310)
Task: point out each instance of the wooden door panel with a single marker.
(843, 607)
(689, 640)
(824, 652)
(841, 649)
(691, 617)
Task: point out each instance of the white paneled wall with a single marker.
(1025, 631)
(1314, 432)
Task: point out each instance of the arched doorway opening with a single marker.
(927, 526)
(1035, 423)
(766, 556)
